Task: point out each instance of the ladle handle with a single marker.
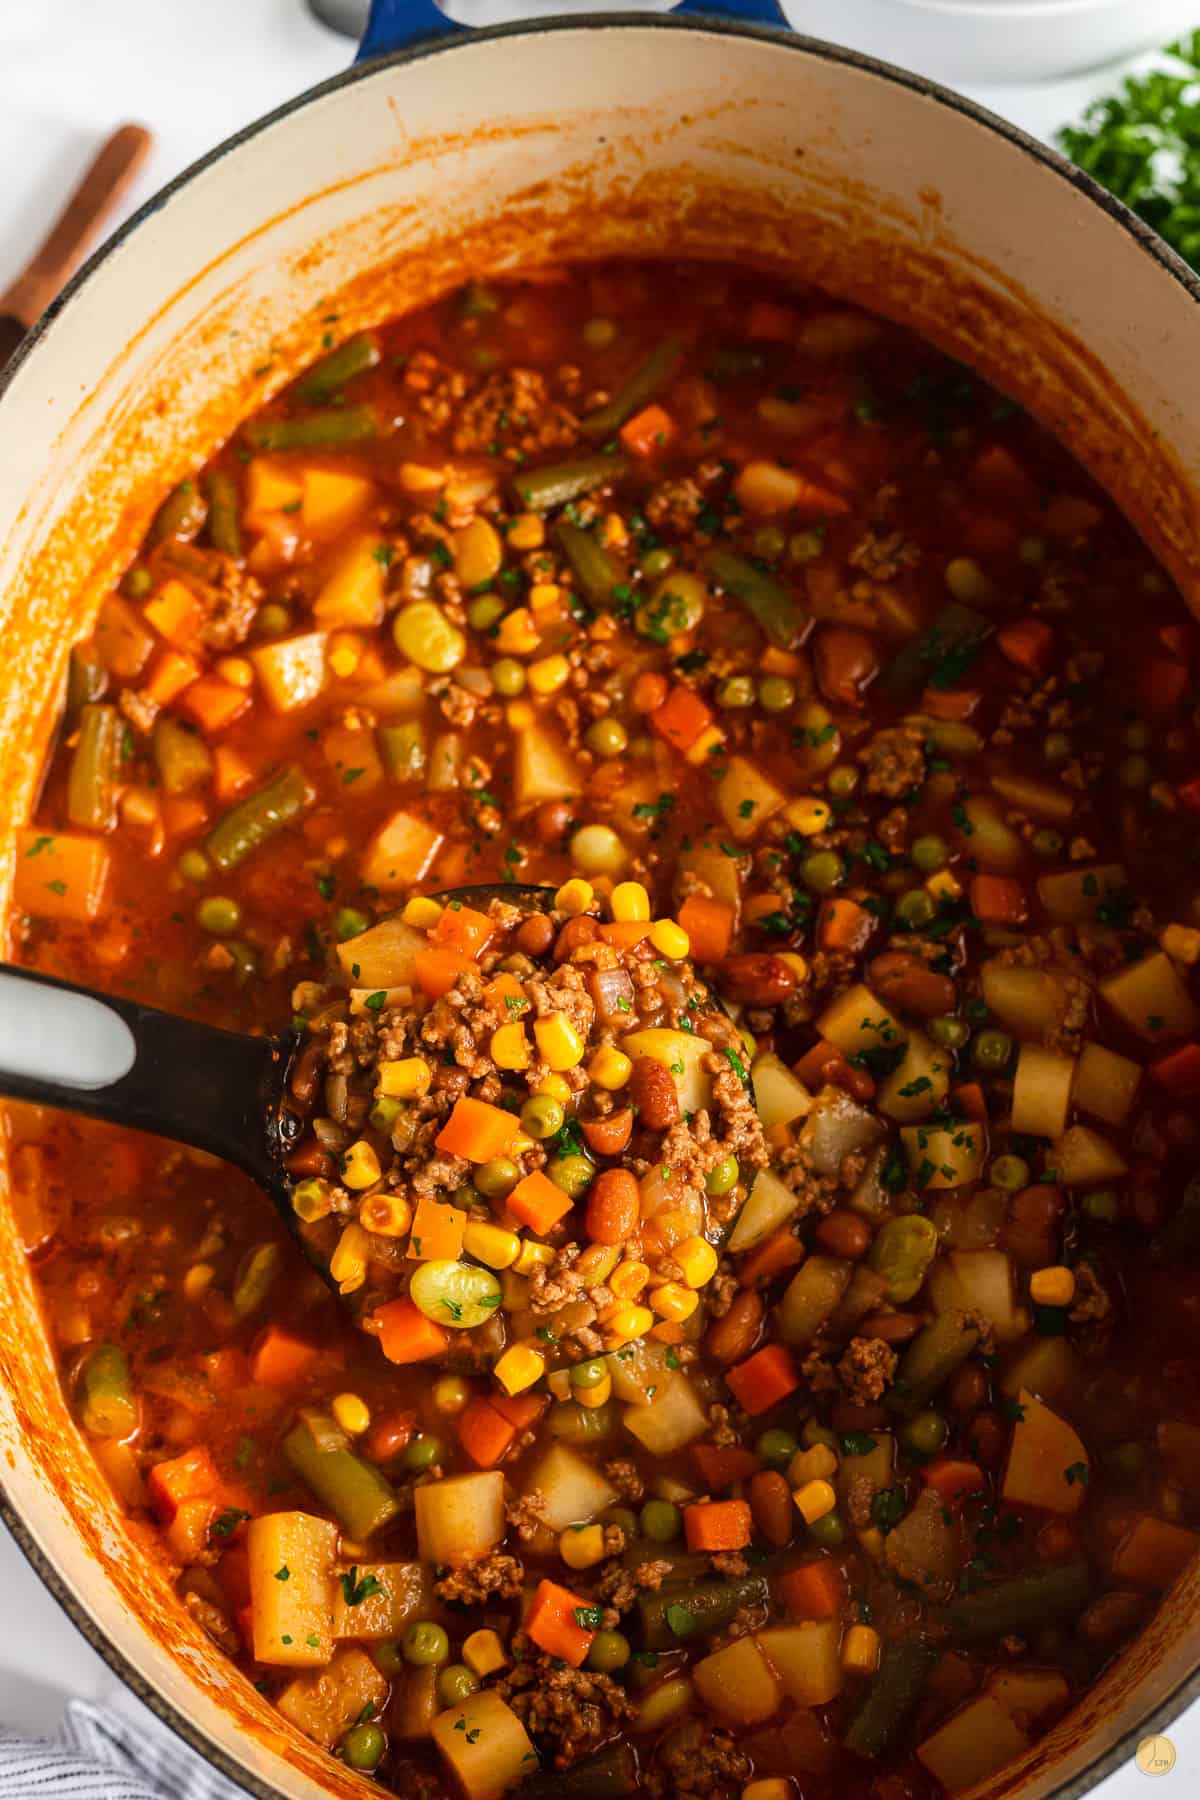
(115, 1059)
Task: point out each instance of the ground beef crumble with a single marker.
(567, 1712)
(494, 1577)
(867, 1370)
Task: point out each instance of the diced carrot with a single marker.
(538, 1202)
(437, 1231)
(813, 1590)
(1189, 793)
(175, 613)
(997, 473)
(521, 1410)
(436, 970)
(214, 704)
(1057, 1540)
(1152, 1553)
(780, 1252)
(1162, 683)
(190, 1476)
(1070, 515)
(170, 672)
(667, 1331)
(1029, 643)
(463, 929)
(226, 1369)
(844, 925)
(764, 1379)
(184, 814)
(648, 432)
(624, 933)
(955, 705)
(231, 772)
(717, 1525)
(59, 875)
(484, 1433)
(709, 925)
(775, 661)
(998, 900)
(719, 1465)
(681, 718)
(649, 691)
(406, 1335)
(1179, 1072)
(477, 1131)
(969, 1100)
(500, 990)
(280, 1359)
(553, 1623)
(769, 322)
(951, 1476)
(757, 907)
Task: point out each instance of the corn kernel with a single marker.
(629, 1280)
(615, 532)
(596, 1263)
(198, 1280)
(670, 939)
(558, 1042)
(700, 753)
(531, 1256)
(527, 532)
(808, 815)
(360, 1166)
(544, 596)
(667, 1331)
(424, 634)
(236, 670)
(451, 1395)
(1180, 942)
(352, 1413)
(630, 903)
(514, 1291)
(344, 660)
(387, 1215)
(422, 914)
(871, 1539)
(582, 1546)
(549, 674)
(674, 1301)
(478, 553)
(610, 1068)
(517, 634)
(415, 478)
(815, 1499)
(519, 1368)
(697, 1259)
(574, 897)
(510, 1047)
(624, 1323)
(1052, 1287)
(796, 964)
(861, 1650)
(483, 1653)
(491, 1244)
(406, 1079)
(771, 1787)
(816, 1464)
(519, 715)
(556, 1087)
(593, 1396)
(944, 885)
(348, 1264)
(311, 1200)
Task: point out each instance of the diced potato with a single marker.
(271, 487)
(325, 1703)
(636, 1368)
(944, 1158)
(985, 837)
(836, 1127)
(123, 641)
(1082, 1158)
(768, 1205)
(541, 771)
(1152, 1000)
(1029, 1695)
(291, 671)
(972, 1744)
(382, 957)
(332, 500)
(1043, 800)
(460, 1518)
(918, 1084)
(1047, 1464)
(354, 758)
(739, 1684)
(398, 695)
(715, 867)
(870, 1197)
(1106, 1084)
(403, 1591)
(485, 1745)
(874, 1466)
(985, 1280)
(1042, 1091)
(681, 1053)
(778, 1096)
(746, 798)
(1030, 1002)
(400, 853)
(351, 596)
(1153, 1552)
(672, 1419)
(1047, 1367)
(1075, 896)
(59, 875)
(291, 1556)
(810, 1297)
(573, 1488)
(805, 1657)
(856, 1020)
(924, 1548)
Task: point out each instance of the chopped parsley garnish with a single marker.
(356, 1588)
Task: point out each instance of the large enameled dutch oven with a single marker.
(443, 154)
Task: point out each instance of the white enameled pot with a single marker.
(569, 138)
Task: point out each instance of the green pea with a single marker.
(656, 562)
(624, 1518)
(598, 334)
(421, 1453)
(1010, 1173)
(1102, 1205)
(966, 580)
(1032, 550)
(926, 1433)
(736, 692)
(642, 1670)
(573, 1174)
(508, 677)
(1129, 1459)
(842, 780)
(193, 865)
(606, 736)
(363, 1747)
(777, 1447)
(388, 1658)
(1045, 842)
(1057, 747)
(137, 583)
(466, 1196)
(823, 871)
(348, 922)
(661, 1521)
(723, 1176)
(916, 909)
(588, 1374)
(1134, 771)
(812, 1432)
(776, 693)
(272, 620)
(455, 1683)
(769, 542)
(484, 611)
(929, 853)
(384, 1113)
(219, 914)
(950, 1032)
(497, 1178)
(425, 1645)
(993, 1051)
(806, 546)
(829, 1532)
(541, 1116)
(1137, 736)
(608, 1652)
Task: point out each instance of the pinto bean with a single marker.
(758, 979)
(846, 660)
(844, 1234)
(1030, 1231)
(652, 1092)
(987, 1439)
(890, 1328)
(614, 1206)
(771, 1507)
(309, 1159)
(732, 1337)
(552, 821)
(534, 935)
(908, 984)
(1113, 1616)
(305, 1072)
(389, 1435)
(968, 1388)
(609, 1135)
(576, 932)
(848, 1416)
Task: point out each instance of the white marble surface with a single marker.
(70, 70)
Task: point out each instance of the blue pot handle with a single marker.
(398, 24)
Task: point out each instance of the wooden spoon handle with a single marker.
(110, 173)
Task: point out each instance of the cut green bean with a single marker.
(328, 429)
(932, 1357)
(541, 490)
(894, 1691)
(328, 377)
(224, 514)
(249, 824)
(402, 747)
(181, 516)
(95, 763)
(256, 1276)
(109, 1406)
(772, 607)
(359, 1497)
(643, 386)
(684, 1610)
(1021, 1604)
(598, 572)
(611, 1774)
(87, 680)
(939, 656)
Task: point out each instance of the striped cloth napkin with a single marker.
(100, 1754)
